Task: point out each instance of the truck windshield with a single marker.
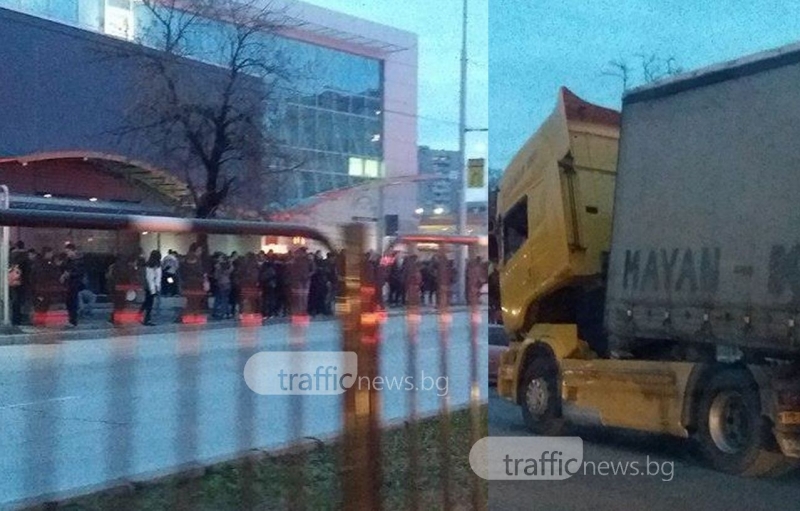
(515, 228)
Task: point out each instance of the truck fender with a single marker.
(562, 339)
(555, 341)
(702, 373)
(763, 375)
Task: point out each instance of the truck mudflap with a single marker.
(789, 443)
(506, 372)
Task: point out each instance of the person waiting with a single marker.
(152, 285)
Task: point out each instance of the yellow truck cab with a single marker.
(556, 199)
(648, 280)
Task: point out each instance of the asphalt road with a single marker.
(680, 483)
(81, 413)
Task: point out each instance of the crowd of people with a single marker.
(266, 283)
(405, 279)
(34, 275)
(263, 283)
(297, 282)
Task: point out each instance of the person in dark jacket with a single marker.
(429, 284)
(318, 286)
(395, 281)
(73, 278)
(45, 286)
(333, 282)
(235, 295)
(268, 282)
(284, 285)
(300, 268)
(222, 293)
(192, 279)
(18, 294)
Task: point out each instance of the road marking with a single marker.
(42, 401)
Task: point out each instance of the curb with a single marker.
(18, 338)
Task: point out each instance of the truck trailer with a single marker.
(650, 264)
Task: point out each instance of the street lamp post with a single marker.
(380, 231)
(461, 252)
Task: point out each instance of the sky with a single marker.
(437, 24)
(538, 46)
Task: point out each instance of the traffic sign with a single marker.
(475, 171)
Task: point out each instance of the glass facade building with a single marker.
(329, 121)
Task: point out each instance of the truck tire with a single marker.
(540, 398)
(732, 435)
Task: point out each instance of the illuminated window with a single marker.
(371, 168)
(356, 167)
(365, 167)
(276, 248)
(118, 19)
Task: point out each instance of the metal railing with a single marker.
(445, 321)
(359, 309)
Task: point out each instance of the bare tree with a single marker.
(672, 67)
(211, 71)
(651, 68)
(619, 69)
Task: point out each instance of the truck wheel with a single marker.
(732, 435)
(540, 399)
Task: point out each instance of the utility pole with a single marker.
(461, 251)
(380, 231)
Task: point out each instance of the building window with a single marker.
(365, 167)
(371, 168)
(356, 167)
(118, 18)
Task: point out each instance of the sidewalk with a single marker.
(98, 327)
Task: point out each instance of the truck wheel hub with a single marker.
(537, 395)
(728, 422)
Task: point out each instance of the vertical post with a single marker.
(299, 275)
(189, 359)
(413, 320)
(4, 247)
(361, 467)
(445, 322)
(474, 280)
(297, 339)
(247, 425)
(462, 132)
(380, 227)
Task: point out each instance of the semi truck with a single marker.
(649, 264)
